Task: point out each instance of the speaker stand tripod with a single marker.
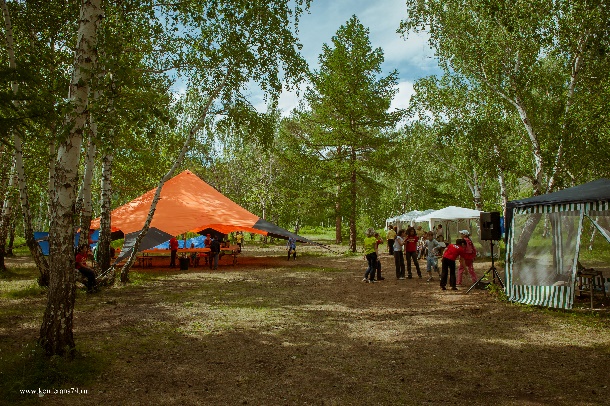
(492, 268)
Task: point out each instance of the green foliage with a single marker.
(497, 291)
(532, 62)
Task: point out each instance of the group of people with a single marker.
(413, 242)
(211, 258)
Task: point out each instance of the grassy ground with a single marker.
(274, 332)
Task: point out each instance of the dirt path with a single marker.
(275, 332)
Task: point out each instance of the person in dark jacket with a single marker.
(81, 266)
(214, 252)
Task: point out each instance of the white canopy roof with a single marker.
(407, 217)
(450, 213)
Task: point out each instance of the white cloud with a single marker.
(402, 98)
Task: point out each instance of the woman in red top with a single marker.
(449, 256)
(411, 251)
(467, 262)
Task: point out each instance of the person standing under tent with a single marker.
(448, 263)
(206, 243)
(399, 260)
(239, 237)
(291, 247)
(411, 251)
(467, 261)
(193, 256)
(214, 253)
(173, 248)
(370, 253)
(391, 235)
(440, 235)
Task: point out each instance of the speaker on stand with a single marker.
(490, 231)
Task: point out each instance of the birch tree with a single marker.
(534, 56)
(56, 336)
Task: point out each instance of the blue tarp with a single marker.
(199, 242)
(42, 238)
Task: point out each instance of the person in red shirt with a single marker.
(449, 256)
(411, 251)
(467, 262)
(173, 246)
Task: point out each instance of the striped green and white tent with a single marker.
(544, 241)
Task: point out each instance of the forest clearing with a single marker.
(268, 331)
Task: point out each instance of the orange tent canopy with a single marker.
(187, 203)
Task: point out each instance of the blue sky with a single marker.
(412, 58)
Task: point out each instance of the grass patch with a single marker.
(21, 292)
(32, 371)
(142, 278)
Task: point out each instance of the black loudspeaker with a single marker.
(490, 226)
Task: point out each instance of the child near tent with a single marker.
(239, 237)
(467, 261)
(433, 253)
(194, 257)
(448, 263)
(291, 247)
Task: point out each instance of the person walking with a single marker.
(370, 253)
(449, 256)
(378, 263)
(411, 251)
(467, 260)
(391, 235)
(291, 247)
(399, 260)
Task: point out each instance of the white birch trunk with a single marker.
(50, 186)
(56, 335)
(103, 244)
(86, 207)
(39, 259)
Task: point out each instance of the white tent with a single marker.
(449, 214)
(406, 218)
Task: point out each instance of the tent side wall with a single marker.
(542, 253)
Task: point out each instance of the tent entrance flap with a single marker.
(152, 238)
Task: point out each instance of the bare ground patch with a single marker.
(274, 332)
